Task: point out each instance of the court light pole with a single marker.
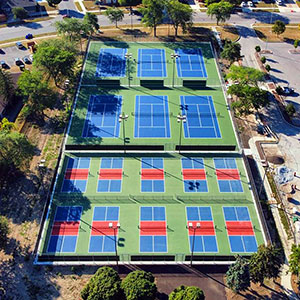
(122, 119)
(191, 226)
(110, 225)
(180, 119)
(128, 57)
(174, 56)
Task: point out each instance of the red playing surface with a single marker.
(77, 174)
(193, 174)
(206, 228)
(110, 174)
(152, 174)
(65, 228)
(228, 174)
(102, 228)
(153, 228)
(239, 228)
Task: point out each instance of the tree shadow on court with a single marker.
(136, 33)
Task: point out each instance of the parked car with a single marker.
(279, 2)
(250, 4)
(27, 60)
(29, 36)
(19, 45)
(288, 90)
(243, 4)
(31, 57)
(19, 62)
(4, 65)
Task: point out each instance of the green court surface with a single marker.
(129, 198)
(90, 129)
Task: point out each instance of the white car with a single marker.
(250, 3)
(243, 4)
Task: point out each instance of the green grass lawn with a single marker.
(174, 199)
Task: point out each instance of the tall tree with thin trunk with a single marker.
(90, 21)
(221, 11)
(152, 12)
(180, 15)
(114, 15)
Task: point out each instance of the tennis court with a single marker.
(65, 228)
(201, 119)
(152, 117)
(153, 229)
(151, 63)
(104, 231)
(111, 62)
(152, 175)
(76, 175)
(190, 63)
(194, 175)
(240, 229)
(201, 229)
(102, 118)
(228, 175)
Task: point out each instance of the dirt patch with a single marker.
(295, 285)
(265, 33)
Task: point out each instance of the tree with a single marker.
(152, 12)
(263, 59)
(15, 151)
(4, 231)
(296, 43)
(290, 109)
(5, 125)
(20, 13)
(249, 98)
(37, 93)
(221, 11)
(238, 275)
(265, 263)
(187, 293)
(139, 285)
(7, 88)
(257, 48)
(231, 51)
(278, 27)
(245, 75)
(90, 21)
(56, 58)
(53, 2)
(268, 68)
(180, 15)
(294, 261)
(114, 15)
(104, 285)
(70, 27)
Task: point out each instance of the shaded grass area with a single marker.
(265, 33)
(228, 32)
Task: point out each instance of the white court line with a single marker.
(199, 116)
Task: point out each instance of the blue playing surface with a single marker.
(151, 63)
(110, 185)
(153, 213)
(111, 62)
(153, 243)
(68, 213)
(225, 163)
(152, 163)
(62, 243)
(152, 117)
(102, 243)
(102, 119)
(201, 119)
(199, 213)
(203, 243)
(196, 186)
(230, 186)
(190, 63)
(152, 186)
(236, 213)
(106, 213)
(79, 163)
(243, 243)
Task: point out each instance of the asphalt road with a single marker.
(243, 19)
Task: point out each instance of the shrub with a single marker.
(4, 231)
(279, 90)
(263, 59)
(290, 109)
(257, 49)
(187, 293)
(296, 43)
(268, 68)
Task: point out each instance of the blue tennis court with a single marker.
(68, 213)
(199, 213)
(104, 233)
(153, 213)
(190, 63)
(236, 213)
(111, 62)
(201, 119)
(225, 163)
(102, 118)
(151, 63)
(152, 117)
